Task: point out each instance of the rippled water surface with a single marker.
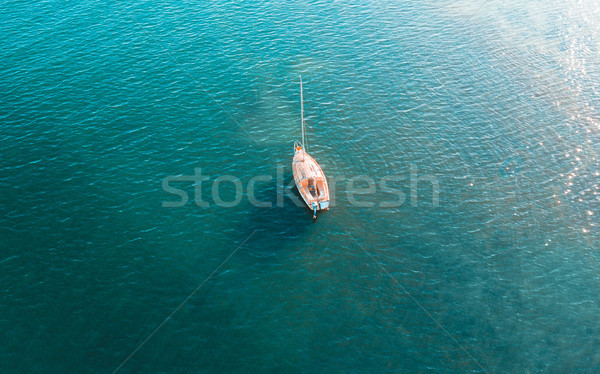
(494, 102)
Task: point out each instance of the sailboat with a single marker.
(308, 175)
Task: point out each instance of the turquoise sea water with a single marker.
(494, 102)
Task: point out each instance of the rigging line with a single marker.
(200, 87)
(437, 322)
(304, 145)
(211, 96)
(183, 303)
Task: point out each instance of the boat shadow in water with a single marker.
(278, 226)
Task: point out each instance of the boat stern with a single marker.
(323, 205)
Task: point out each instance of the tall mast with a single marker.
(302, 115)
